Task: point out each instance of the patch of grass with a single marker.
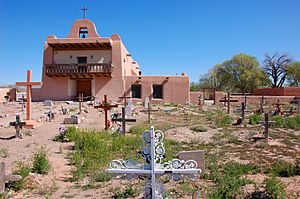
(223, 119)
(59, 138)
(284, 169)
(275, 188)
(279, 121)
(255, 119)
(126, 193)
(101, 176)
(47, 190)
(94, 150)
(198, 129)
(41, 163)
(187, 188)
(22, 169)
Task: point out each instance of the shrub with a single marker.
(255, 119)
(23, 170)
(284, 169)
(41, 162)
(279, 121)
(128, 192)
(222, 119)
(274, 188)
(198, 129)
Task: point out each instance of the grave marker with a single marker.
(267, 124)
(277, 108)
(106, 106)
(22, 102)
(29, 122)
(146, 102)
(6, 177)
(228, 101)
(123, 120)
(18, 124)
(153, 152)
(149, 110)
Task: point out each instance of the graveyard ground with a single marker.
(236, 165)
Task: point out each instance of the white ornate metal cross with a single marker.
(153, 147)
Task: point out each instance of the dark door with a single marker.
(84, 86)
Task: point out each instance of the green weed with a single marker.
(284, 169)
(41, 162)
(198, 129)
(255, 119)
(127, 193)
(23, 170)
(275, 188)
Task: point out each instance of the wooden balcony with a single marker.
(79, 70)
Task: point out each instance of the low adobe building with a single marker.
(86, 63)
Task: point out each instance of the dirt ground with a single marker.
(57, 183)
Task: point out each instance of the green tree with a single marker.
(211, 79)
(194, 86)
(241, 74)
(275, 67)
(293, 74)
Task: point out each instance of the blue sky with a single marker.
(164, 36)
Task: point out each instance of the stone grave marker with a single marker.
(198, 156)
(106, 106)
(22, 102)
(29, 122)
(74, 119)
(6, 177)
(146, 102)
(48, 103)
(18, 124)
(123, 119)
(153, 152)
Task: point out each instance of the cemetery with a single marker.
(95, 127)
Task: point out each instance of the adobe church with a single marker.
(86, 63)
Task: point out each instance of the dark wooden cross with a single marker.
(23, 104)
(228, 101)
(261, 105)
(18, 124)
(123, 120)
(267, 124)
(106, 106)
(84, 9)
(6, 177)
(149, 110)
(124, 98)
(245, 99)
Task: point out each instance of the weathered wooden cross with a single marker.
(153, 152)
(149, 110)
(81, 98)
(29, 122)
(124, 98)
(18, 124)
(228, 101)
(106, 106)
(267, 124)
(23, 104)
(123, 120)
(6, 177)
(245, 99)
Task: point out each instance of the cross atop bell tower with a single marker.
(84, 9)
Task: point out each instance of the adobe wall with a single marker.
(194, 97)
(175, 89)
(3, 92)
(284, 91)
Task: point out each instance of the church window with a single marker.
(136, 91)
(83, 33)
(157, 91)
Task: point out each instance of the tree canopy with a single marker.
(293, 74)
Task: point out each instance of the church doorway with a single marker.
(84, 86)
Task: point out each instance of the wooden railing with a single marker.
(77, 69)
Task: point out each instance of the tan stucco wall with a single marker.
(175, 89)
(93, 56)
(194, 97)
